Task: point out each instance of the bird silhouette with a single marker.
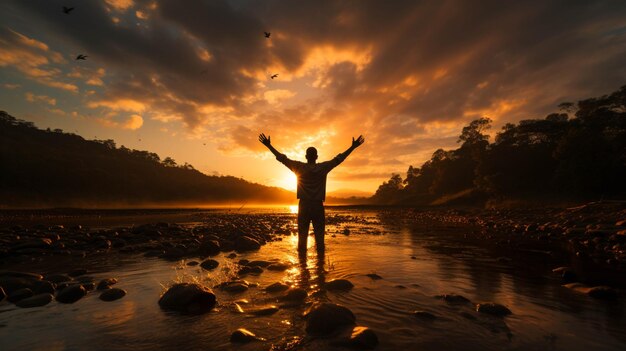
(81, 57)
(67, 10)
(267, 34)
(274, 76)
(204, 144)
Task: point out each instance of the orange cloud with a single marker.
(30, 97)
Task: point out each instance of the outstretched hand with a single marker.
(265, 140)
(358, 142)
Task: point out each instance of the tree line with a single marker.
(50, 168)
(577, 153)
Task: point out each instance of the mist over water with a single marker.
(415, 263)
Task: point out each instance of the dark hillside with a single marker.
(44, 168)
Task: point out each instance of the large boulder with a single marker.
(188, 298)
(112, 294)
(246, 243)
(328, 318)
(35, 301)
(20, 294)
(71, 294)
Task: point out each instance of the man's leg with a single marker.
(304, 219)
(319, 225)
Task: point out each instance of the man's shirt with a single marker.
(311, 177)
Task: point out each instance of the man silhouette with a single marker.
(311, 189)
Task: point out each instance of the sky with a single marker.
(191, 80)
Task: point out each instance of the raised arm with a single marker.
(342, 156)
(265, 140)
(355, 143)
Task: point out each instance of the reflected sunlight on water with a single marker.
(293, 208)
(415, 264)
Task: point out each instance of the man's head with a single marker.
(311, 154)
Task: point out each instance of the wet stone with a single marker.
(277, 287)
(264, 311)
(339, 285)
(453, 298)
(106, 283)
(327, 318)
(493, 309)
(112, 294)
(20, 294)
(363, 338)
(188, 298)
(209, 264)
(374, 276)
(71, 294)
(35, 301)
(244, 336)
(278, 267)
(294, 295)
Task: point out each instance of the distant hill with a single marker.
(50, 168)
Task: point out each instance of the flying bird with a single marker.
(67, 10)
(267, 34)
(274, 76)
(81, 57)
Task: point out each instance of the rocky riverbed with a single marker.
(241, 270)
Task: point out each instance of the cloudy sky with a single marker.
(191, 79)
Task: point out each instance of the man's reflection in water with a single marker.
(312, 274)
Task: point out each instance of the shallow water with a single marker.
(545, 315)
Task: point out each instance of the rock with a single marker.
(250, 270)
(209, 264)
(277, 287)
(493, 309)
(232, 255)
(193, 263)
(188, 298)
(264, 311)
(246, 243)
(327, 318)
(88, 286)
(602, 292)
(374, 276)
(235, 286)
(15, 274)
(258, 263)
(43, 286)
(112, 294)
(19, 294)
(106, 283)
(11, 284)
(278, 267)
(36, 243)
(567, 274)
(58, 278)
(294, 295)
(338, 284)
(425, 316)
(453, 298)
(71, 294)
(35, 301)
(209, 247)
(363, 338)
(244, 336)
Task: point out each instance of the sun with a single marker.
(290, 182)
